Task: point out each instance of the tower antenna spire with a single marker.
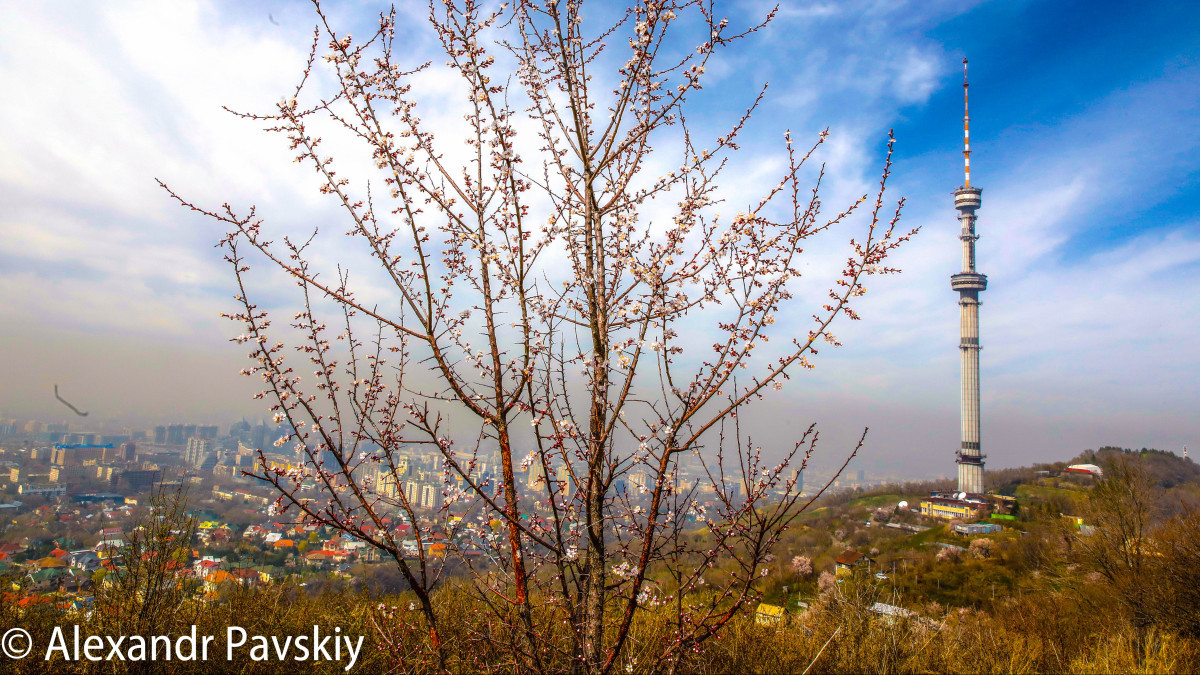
(966, 131)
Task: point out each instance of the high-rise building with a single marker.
(141, 480)
(386, 485)
(431, 497)
(82, 438)
(122, 453)
(412, 492)
(197, 451)
(798, 477)
(969, 284)
(74, 472)
(258, 436)
(62, 456)
(564, 481)
(640, 483)
(537, 477)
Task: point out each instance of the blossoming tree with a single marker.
(548, 297)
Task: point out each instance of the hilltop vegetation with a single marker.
(1118, 593)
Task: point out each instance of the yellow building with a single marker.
(769, 615)
(950, 509)
(844, 564)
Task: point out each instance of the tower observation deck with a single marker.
(968, 283)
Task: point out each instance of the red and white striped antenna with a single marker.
(966, 132)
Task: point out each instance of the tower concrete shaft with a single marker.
(968, 283)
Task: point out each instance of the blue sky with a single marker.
(1085, 142)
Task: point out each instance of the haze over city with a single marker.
(1083, 141)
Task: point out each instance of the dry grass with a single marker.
(1044, 634)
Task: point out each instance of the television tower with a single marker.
(968, 283)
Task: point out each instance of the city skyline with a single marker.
(1086, 147)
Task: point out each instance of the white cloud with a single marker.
(916, 74)
(110, 96)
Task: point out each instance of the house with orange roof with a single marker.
(49, 562)
(245, 576)
(318, 558)
(32, 600)
(206, 566)
(214, 581)
(255, 531)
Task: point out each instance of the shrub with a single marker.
(980, 549)
(802, 565)
(949, 554)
